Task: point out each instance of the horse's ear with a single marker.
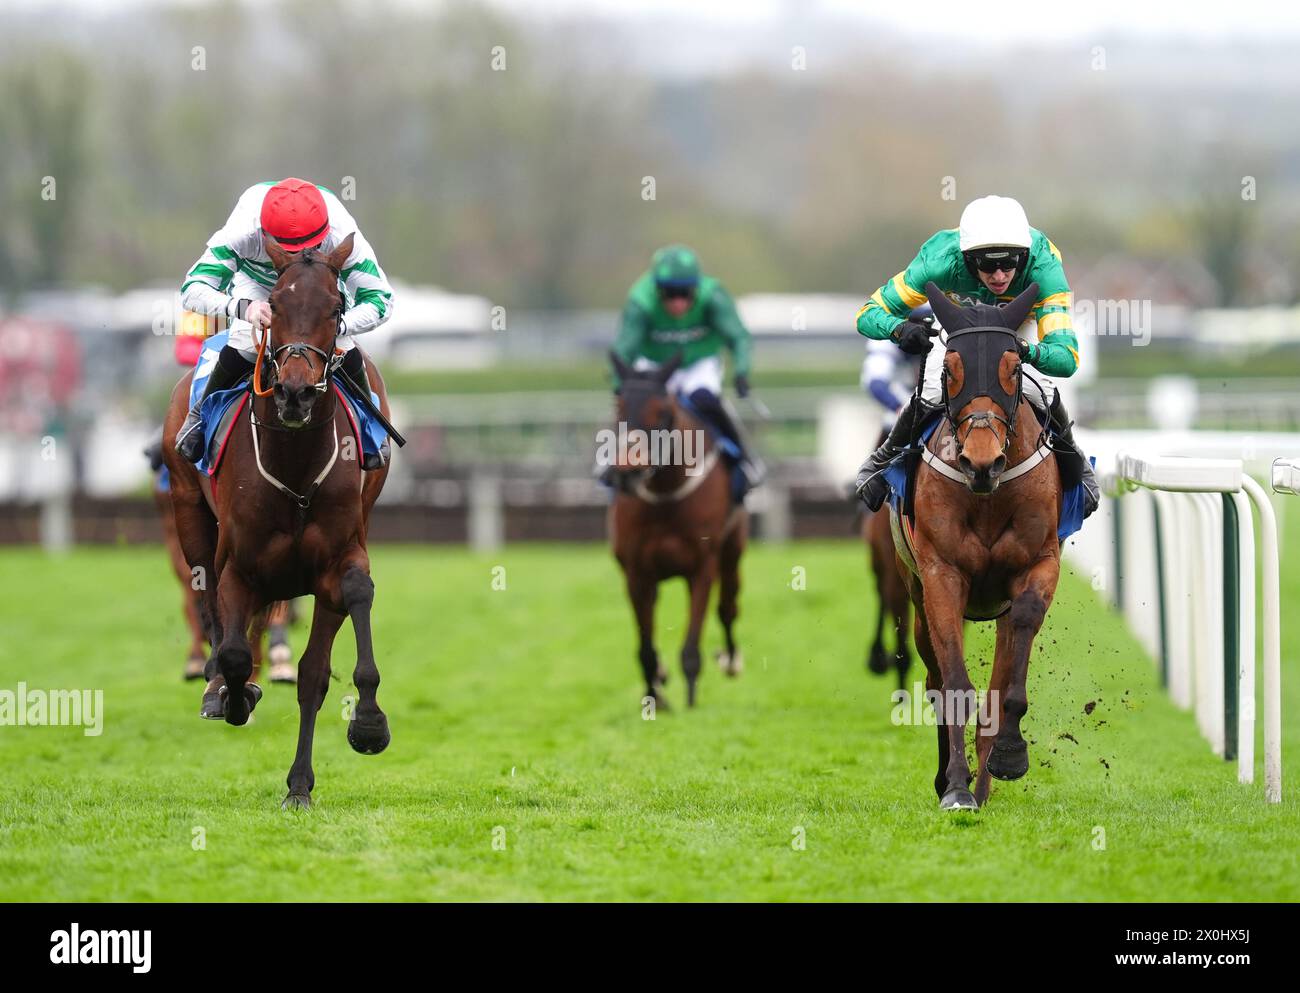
(949, 313)
(622, 368)
(340, 255)
(279, 257)
(1014, 313)
(665, 371)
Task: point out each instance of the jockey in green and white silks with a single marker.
(674, 308)
(234, 277)
(990, 258)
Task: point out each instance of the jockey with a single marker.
(990, 258)
(234, 278)
(671, 308)
(889, 375)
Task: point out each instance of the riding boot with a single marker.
(709, 405)
(355, 366)
(230, 370)
(1062, 426)
(871, 485)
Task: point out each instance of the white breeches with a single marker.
(704, 374)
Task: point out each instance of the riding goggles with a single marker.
(1004, 259)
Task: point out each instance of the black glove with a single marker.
(742, 386)
(1024, 348)
(913, 337)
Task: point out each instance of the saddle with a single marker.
(222, 409)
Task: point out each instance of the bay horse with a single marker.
(293, 512)
(984, 540)
(892, 599)
(670, 518)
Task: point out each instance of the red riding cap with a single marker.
(295, 215)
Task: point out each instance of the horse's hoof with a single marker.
(731, 663)
(194, 669)
(876, 661)
(958, 798)
(690, 693)
(283, 672)
(213, 706)
(369, 737)
(296, 801)
(1008, 761)
(661, 676)
(252, 694)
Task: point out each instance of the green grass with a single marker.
(519, 710)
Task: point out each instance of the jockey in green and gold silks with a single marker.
(990, 258)
(673, 308)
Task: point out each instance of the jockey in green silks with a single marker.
(674, 308)
(990, 258)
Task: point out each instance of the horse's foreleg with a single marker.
(729, 598)
(945, 597)
(643, 592)
(256, 631)
(993, 705)
(368, 730)
(282, 670)
(313, 683)
(902, 660)
(236, 602)
(1031, 596)
(701, 585)
(933, 684)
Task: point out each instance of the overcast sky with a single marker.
(1011, 20)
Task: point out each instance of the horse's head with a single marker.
(643, 406)
(982, 379)
(306, 308)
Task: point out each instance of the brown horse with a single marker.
(987, 503)
(673, 516)
(891, 597)
(293, 506)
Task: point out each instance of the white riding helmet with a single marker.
(994, 222)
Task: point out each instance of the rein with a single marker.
(1010, 407)
(301, 349)
(693, 481)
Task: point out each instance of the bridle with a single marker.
(301, 349)
(637, 482)
(329, 361)
(974, 387)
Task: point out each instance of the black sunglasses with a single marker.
(987, 262)
(677, 292)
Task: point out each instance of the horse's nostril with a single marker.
(999, 464)
(965, 465)
(279, 391)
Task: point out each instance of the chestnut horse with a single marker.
(293, 506)
(987, 504)
(670, 518)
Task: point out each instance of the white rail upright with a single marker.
(1207, 601)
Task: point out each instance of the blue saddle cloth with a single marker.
(729, 448)
(218, 410)
(896, 475)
